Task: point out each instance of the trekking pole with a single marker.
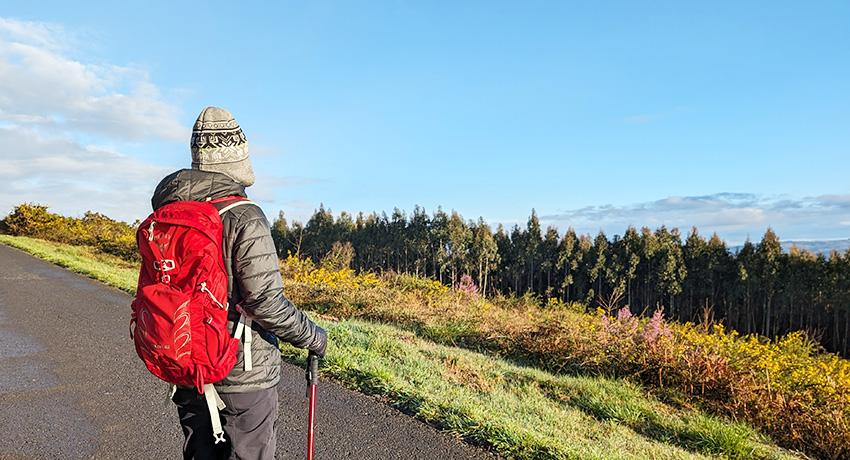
(312, 378)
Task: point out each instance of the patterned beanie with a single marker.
(219, 145)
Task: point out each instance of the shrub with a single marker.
(424, 286)
(339, 257)
(93, 229)
(33, 220)
(467, 287)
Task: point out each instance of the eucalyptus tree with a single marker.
(631, 259)
(417, 235)
(399, 245)
(549, 258)
(569, 258)
(596, 266)
(502, 275)
(484, 251)
(533, 241)
(746, 262)
(768, 259)
(670, 265)
(695, 286)
(439, 242)
(460, 237)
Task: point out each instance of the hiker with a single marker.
(221, 168)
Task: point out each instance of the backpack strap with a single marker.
(246, 345)
(233, 205)
(243, 328)
(214, 404)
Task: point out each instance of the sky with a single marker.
(728, 116)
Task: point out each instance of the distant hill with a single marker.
(819, 246)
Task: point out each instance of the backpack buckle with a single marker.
(165, 278)
(163, 265)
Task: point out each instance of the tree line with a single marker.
(758, 289)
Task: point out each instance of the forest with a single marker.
(758, 289)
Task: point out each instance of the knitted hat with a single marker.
(219, 145)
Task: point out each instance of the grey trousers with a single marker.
(249, 423)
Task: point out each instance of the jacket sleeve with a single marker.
(257, 275)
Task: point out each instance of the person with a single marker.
(222, 168)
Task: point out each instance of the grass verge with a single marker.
(84, 260)
(522, 412)
(518, 412)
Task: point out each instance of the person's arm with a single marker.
(257, 274)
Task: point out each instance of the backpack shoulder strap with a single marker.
(233, 205)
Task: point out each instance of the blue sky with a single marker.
(731, 116)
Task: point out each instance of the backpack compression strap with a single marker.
(214, 404)
(243, 328)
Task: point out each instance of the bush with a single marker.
(93, 229)
(32, 220)
(425, 286)
(339, 257)
(467, 286)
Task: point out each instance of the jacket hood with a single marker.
(194, 185)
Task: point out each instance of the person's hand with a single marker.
(320, 343)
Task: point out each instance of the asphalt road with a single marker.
(71, 385)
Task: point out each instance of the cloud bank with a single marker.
(43, 86)
(71, 178)
(734, 216)
(53, 105)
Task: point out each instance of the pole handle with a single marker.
(312, 371)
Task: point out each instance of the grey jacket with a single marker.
(254, 281)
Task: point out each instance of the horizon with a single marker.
(729, 118)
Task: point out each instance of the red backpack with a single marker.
(179, 317)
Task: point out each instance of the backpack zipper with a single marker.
(204, 289)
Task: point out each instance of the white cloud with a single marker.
(71, 178)
(41, 85)
(54, 105)
(734, 216)
(40, 34)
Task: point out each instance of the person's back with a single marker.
(221, 170)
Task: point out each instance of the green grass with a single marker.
(523, 412)
(84, 260)
(518, 412)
